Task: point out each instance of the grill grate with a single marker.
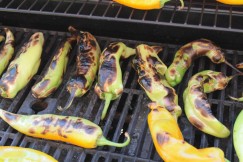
(127, 113)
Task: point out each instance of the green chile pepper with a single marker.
(197, 107)
(152, 80)
(55, 72)
(6, 53)
(188, 53)
(70, 129)
(237, 136)
(109, 86)
(87, 62)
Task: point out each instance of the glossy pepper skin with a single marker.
(17, 154)
(169, 143)
(7, 51)
(87, 63)
(23, 67)
(54, 75)
(150, 70)
(231, 2)
(145, 4)
(197, 107)
(109, 85)
(237, 136)
(73, 130)
(188, 53)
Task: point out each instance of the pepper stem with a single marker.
(108, 97)
(230, 65)
(226, 160)
(69, 102)
(236, 99)
(103, 141)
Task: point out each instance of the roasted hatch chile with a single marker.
(231, 2)
(2, 38)
(197, 107)
(150, 70)
(188, 53)
(145, 4)
(17, 154)
(109, 85)
(55, 72)
(87, 63)
(7, 51)
(23, 67)
(237, 136)
(240, 65)
(169, 143)
(70, 129)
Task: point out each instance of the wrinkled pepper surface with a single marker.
(185, 56)
(87, 63)
(23, 67)
(150, 70)
(19, 154)
(169, 142)
(197, 107)
(7, 51)
(109, 85)
(73, 130)
(231, 2)
(237, 136)
(145, 4)
(54, 75)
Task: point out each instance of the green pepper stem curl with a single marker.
(103, 141)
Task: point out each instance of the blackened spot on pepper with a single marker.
(36, 36)
(170, 94)
(89, 129)
(43, 85)
(203, 106)
(162, 138)
(78, 125)
(84, 62)
(92, 43)
(48, 120)
(53, 64)
(111, 49)
(155, 110)
(173, 71)
(11, 74)
(10, 117)
(61, 122)
(207, 80)
(197, 123)
(36, 122)
(146, 82)
(153, 60)
(217, 58)
(156, 77)
(199, 78)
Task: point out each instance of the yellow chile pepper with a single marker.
(231, 2)
(169, 143)
(145, 4)
(2, 38)
(19, 154)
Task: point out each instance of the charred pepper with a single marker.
(23, 67)
(87, 62)
(150, 70)
(188, 53)
(145, 4)
(169, 143)
(73, 130)
(109, 86)
(237, 136)
(13, 153)
(6, 53)
(197, 107)
(54, 74)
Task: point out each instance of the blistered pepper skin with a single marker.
(109, 85)
(187, 54)
(17, 154)
(54, 75)
(7, 51)
(73, 130)
(87, 63)
(23, 67)
(197, 107)
(150, 70)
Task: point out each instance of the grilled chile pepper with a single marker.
(73, 130)
(145, 4)
(14, 154)
(87, 62)
(188, 53)
(150, 70)
(54, 74)
(7, 51)
(231, 2)
(2, 38)
(237, 136)
(23, 67)
(109, 86)
(197, 107)
(169, 143)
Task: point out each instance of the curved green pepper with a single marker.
(197, 107)
(237, 136)
(188, 53)
(150, 70)
(109, 86)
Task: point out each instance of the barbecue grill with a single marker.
(109, 22)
